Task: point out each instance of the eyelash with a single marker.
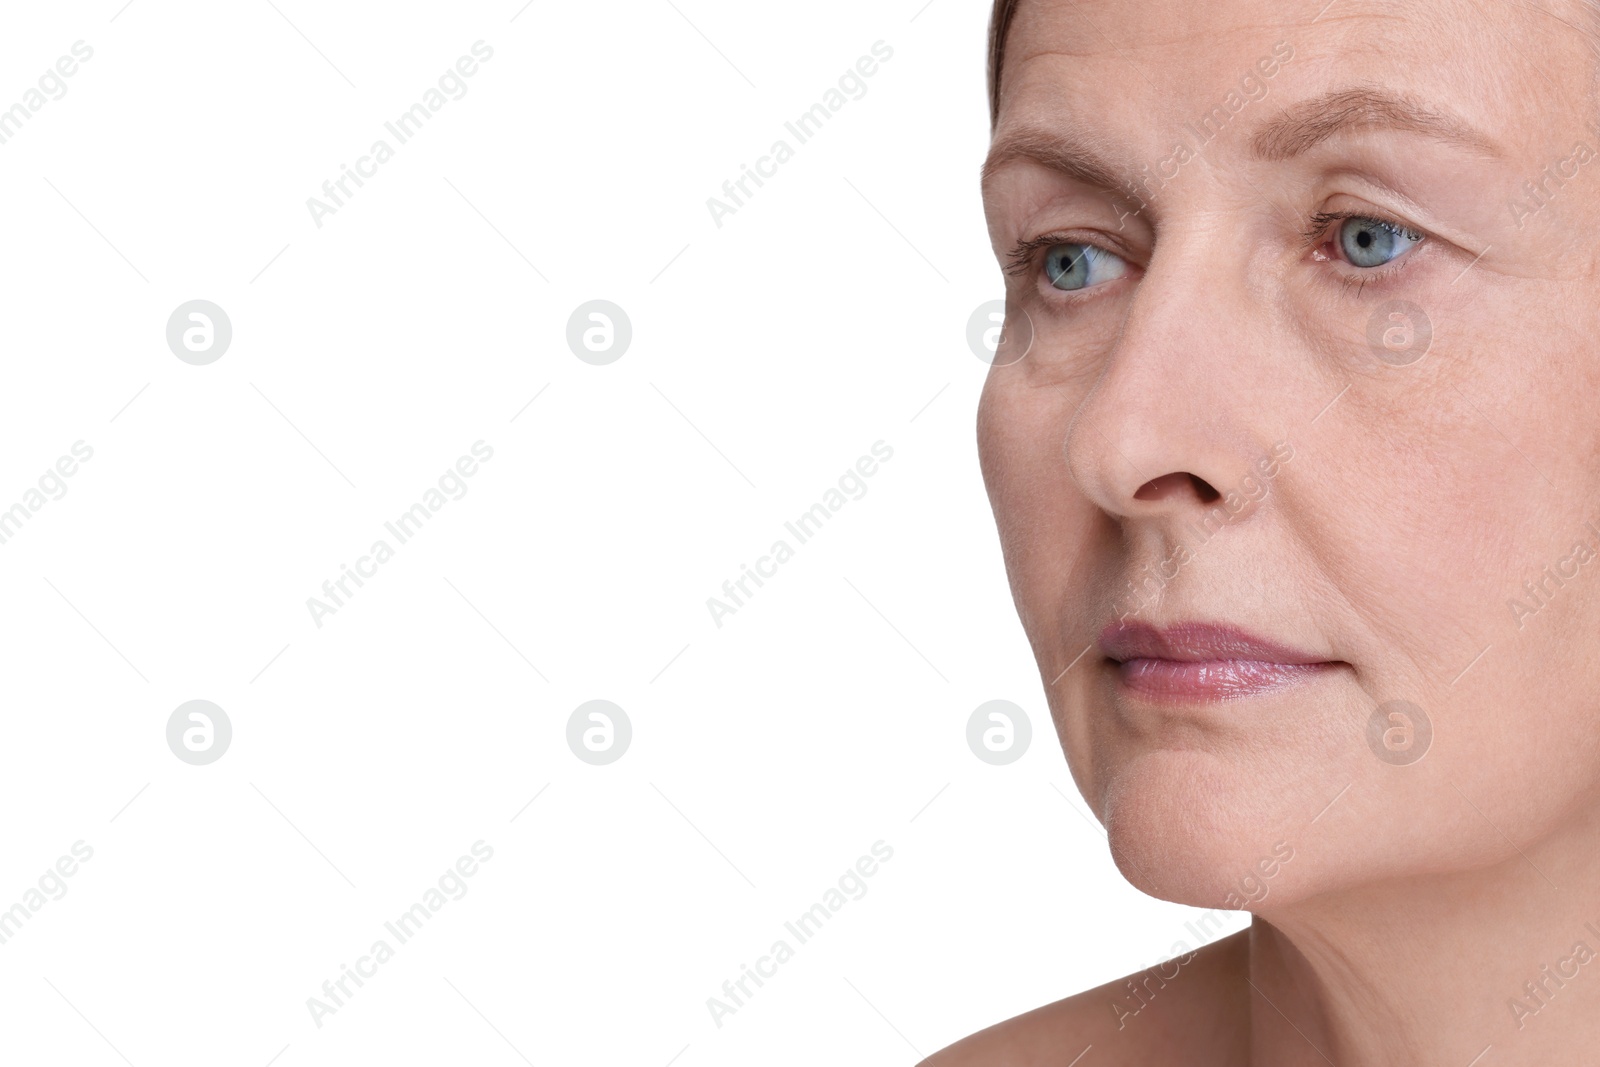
(1024, 257)
(1026, 254)
(1318, 224)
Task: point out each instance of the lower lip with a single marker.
(1210, 680)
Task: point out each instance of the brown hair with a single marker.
(999, 23)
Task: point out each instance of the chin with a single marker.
(1194, 828)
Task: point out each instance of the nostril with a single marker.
(1203, 488)
(1158, 488)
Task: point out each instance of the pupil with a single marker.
(1364, 239)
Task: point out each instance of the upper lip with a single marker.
(1195, 642)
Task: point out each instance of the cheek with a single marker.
(1008, 447)
(1426, 503)
(1416, 513)
(1048, 536)
(1038, 510)
(1411, 540)
(992, 437)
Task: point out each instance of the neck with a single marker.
(1439, 968)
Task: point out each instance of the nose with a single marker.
(1185, 401)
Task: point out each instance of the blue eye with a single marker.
(1369, 242)
(1075, 266)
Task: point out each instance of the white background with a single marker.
(768, 354)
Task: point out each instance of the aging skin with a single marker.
(1182, 322)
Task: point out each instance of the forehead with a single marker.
(1130, 71)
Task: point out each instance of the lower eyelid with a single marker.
(1050, 293)
(1364, 276)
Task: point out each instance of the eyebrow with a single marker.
(1301, 127)
(1056, 151)
(1294, 131)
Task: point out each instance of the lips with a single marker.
(1203, 661)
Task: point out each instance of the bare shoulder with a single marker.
(1192, 1009)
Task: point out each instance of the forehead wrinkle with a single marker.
(1587, 27)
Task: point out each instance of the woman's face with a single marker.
(1302, 347)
